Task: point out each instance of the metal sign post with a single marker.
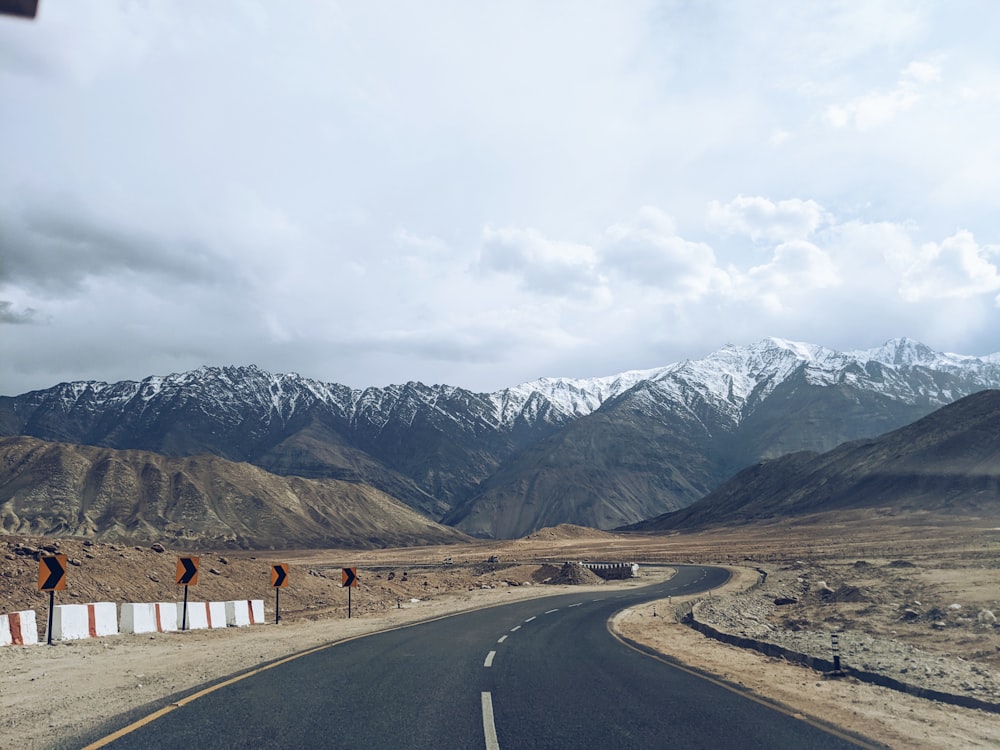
(52, 604)
(279, 579)
(349, 580)
(187, 575)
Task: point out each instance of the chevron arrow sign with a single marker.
(52, 573)
(279, 575)
(187, 571)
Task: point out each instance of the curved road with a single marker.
(542, 673)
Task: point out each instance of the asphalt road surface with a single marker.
(543, 673)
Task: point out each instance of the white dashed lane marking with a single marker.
(489, 728)
(530, 619)
(489, 659)
(515, 628)
(502, 639)
(552, 610)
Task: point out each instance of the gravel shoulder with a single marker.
(882, 715)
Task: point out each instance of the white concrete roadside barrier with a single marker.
(18, 628)
(202, 615)
(245, 612)
(216, 614)
(75, 621)
(155, 617)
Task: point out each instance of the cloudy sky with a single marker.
(485, 193)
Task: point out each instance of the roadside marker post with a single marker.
(51, 578)
(279, 579)
(349, 580)
(835, 644)
(187, 575)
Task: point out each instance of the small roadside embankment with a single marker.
(744, 649)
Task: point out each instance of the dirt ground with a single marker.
(947, 561)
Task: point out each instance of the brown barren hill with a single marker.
(58, 489)
(948, 462)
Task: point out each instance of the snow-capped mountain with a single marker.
(737, 379)
(475, 459)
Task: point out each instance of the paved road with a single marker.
(544, 673)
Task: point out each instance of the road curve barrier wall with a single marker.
(18, 628)
(202, 615)
(155, 617)
(825, 665)
(613, 571)
(79, 621)
(75, 621)
(245, 612)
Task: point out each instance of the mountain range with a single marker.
(600, 452)
(947, 462)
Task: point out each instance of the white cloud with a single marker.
(878, 108)
(540, 264)
(958, 267)
(763, 219)
(797, 269)
(650, 253)
(797, 264)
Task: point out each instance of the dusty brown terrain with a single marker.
(937, 562)
(138, 497)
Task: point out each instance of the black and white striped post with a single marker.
(835, 645)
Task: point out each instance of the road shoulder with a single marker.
(882, 715)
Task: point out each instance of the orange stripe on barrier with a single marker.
(159, 625)
(250, 610)
(208, 614)
(91, 621)
(14, 621)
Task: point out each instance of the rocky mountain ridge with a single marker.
(947, 462)
(601, 452)
(734, 375)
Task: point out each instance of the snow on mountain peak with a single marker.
(569, 397)
(902, 351)
(799, 349)
(729, 381)
(734, 379)
(733, 373)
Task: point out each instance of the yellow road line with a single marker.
(139, 723)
